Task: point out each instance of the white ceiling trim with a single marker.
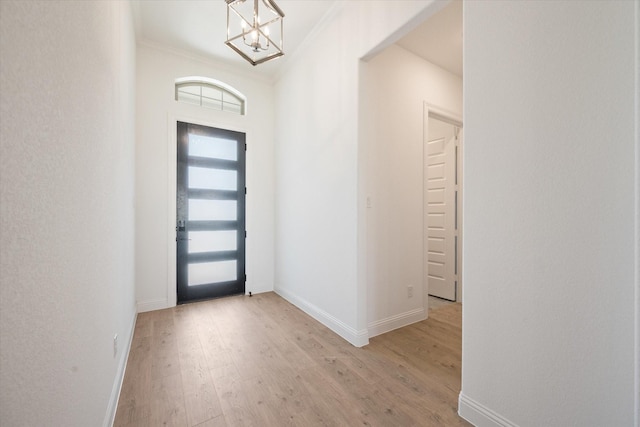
(289, 59)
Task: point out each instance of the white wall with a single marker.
(319, 198)
(67, 77)
(548, 321)
(395, 84)
(315, 181)
(157, 112)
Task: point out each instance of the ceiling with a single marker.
(439, 39)
(198, 27)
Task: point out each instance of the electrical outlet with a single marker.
(115, 345)
(409, 291)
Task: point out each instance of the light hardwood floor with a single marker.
(260, 361)
(436, 303)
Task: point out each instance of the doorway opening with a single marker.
(402, 202)
(210, 212)
(424, 65)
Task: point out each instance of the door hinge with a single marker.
(245, 234)
(455, 255)
(455, 213)
(245, 146)
(245, 191)
(456, 163)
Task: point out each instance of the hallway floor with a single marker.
(435, 303)
(261, 361)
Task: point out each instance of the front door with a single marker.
(210, 226)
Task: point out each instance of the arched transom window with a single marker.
(210, 93)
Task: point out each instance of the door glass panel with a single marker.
(213, 210)
(213, 241)
(212, 272)
(213, 179)
(213, 147)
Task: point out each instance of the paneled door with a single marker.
(210, 226)
(441, 208)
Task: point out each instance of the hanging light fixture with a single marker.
(254, 29)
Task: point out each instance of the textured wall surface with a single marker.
(548, 329)
(67, 82)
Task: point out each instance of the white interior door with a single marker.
(441, 208)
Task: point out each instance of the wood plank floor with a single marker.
(260, 361)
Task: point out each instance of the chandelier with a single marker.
(254, 29)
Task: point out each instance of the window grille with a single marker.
(209, 93)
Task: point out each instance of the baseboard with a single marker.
(479, 415)
(354, 337)
(380, 327)
(156, 304)
(117, 384)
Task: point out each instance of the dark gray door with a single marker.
(210, 212)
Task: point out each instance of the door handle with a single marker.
(177, 238)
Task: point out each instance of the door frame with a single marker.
(172, 171)
(456, 120)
